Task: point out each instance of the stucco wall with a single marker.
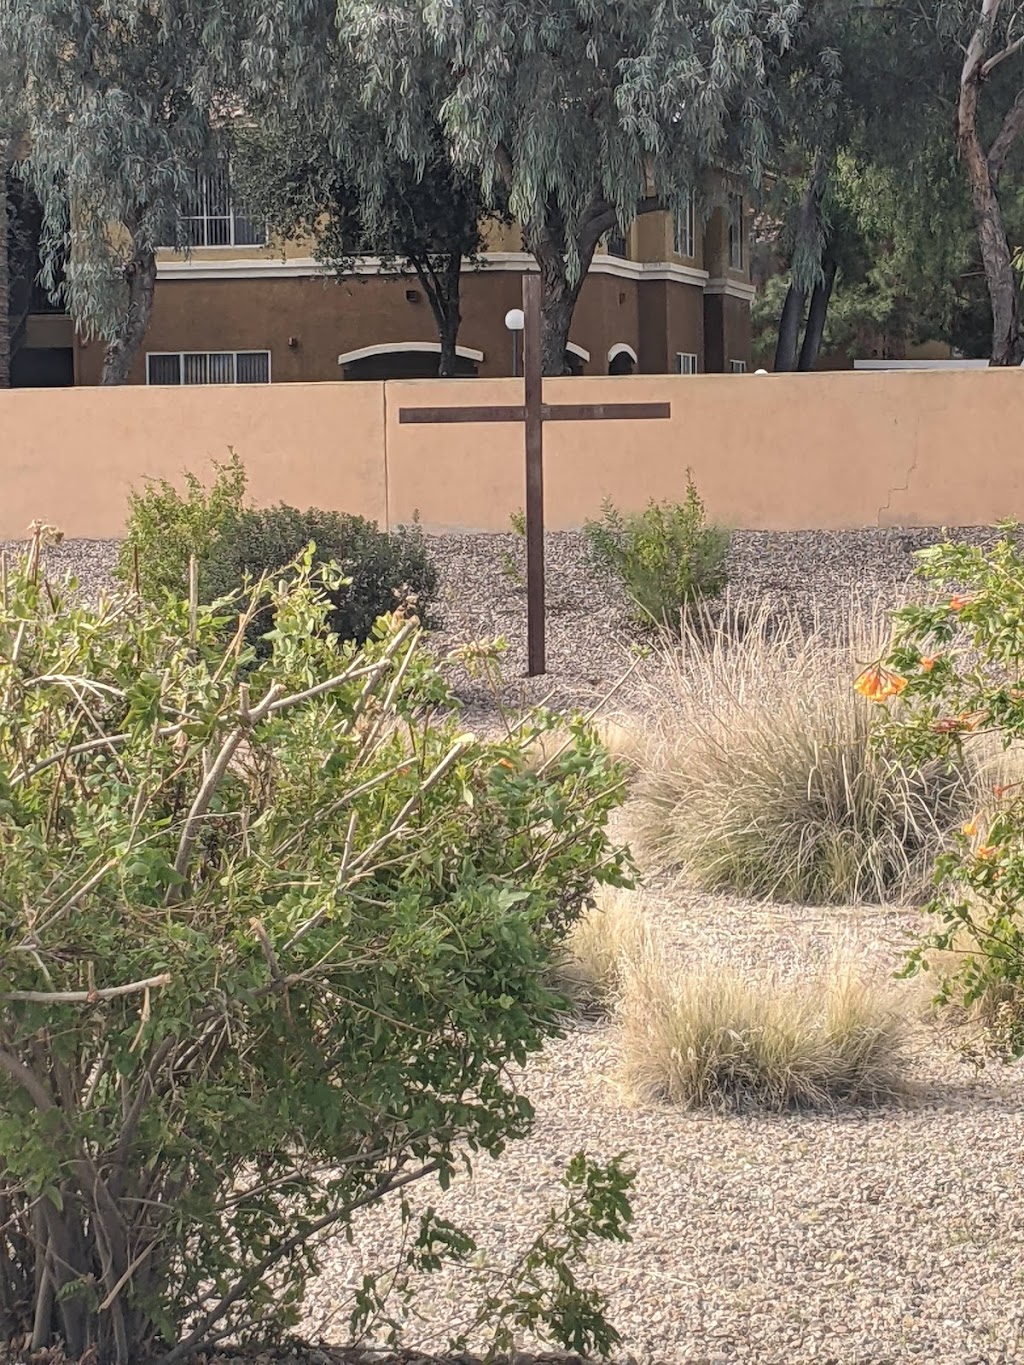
(780, 452)
(326, 319)
(69, 456)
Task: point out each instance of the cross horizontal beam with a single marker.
(550, 412)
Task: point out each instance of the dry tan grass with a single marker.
(620, 735)
(758, 771)
(600, 945)
(710, 1039)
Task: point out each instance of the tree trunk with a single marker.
(806, 246)
(558, 295)
(450, 318)
(983, 174)
(124, 348)
(816, 315)
(443, 289)
(789, 329)
(5, 286)
(8, 149)
(996, 257)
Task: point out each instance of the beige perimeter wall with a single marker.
(777, 452)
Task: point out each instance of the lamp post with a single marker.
(515, 321)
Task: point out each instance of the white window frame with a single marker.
(684, 237)
(737, 367)
(182, 384)
(686, 362)
(204, 217)
(737, 255)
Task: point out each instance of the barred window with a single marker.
(208, 367)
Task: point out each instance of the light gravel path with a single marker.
(856, 1238)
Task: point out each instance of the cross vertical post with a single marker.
(534, 424)
(533, 412)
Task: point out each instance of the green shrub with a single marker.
(957, 665)
(272, 941)
(666, 557)
(166, 529)
(382, 570)
(230, 541)
(760, 774)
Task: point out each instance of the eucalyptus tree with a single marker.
(990, 118)
(120, 113)
(321, 173)
(11, 99)
(579, 115)
(860, 88)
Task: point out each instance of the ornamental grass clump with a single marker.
(274, 929)
(761, 774)
(708, 1038)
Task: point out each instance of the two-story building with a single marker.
(672, 296)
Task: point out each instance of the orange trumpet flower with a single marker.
(878, 683)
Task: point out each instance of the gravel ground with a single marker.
(856, 1238)
(591, 640)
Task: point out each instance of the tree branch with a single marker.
(1008, 134)
(87, 997)
(200, 1335)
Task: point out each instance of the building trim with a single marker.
(405, 347)
(577, 350)
(517, 262)
(732, 289)
(621, 348)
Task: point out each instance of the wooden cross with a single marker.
(533, 413)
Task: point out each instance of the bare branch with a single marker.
(993, 62)
(88, 997)
(200, 1335)
(1008, 134)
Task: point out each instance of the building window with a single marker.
(686, 362)
(210, 218)
(616, 245)
(736, 232)
(683, 242)
(737, 367)
(208, 367)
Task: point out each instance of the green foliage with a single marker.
(512, 563)
(166, 529)
(272, 940)
(543, 1295)
(231, 542)
(963, 658)
(666, 557)
(382, 570)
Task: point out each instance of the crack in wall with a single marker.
(899, 488)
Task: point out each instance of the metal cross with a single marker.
(533, 413)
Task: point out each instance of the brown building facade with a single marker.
(673, 296)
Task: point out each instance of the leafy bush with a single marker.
(957, 665)
(272, 940)
(382, 569)
(712, 1039)
(761, 775)
(166, 529)
(666, 557)
(230, 541)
